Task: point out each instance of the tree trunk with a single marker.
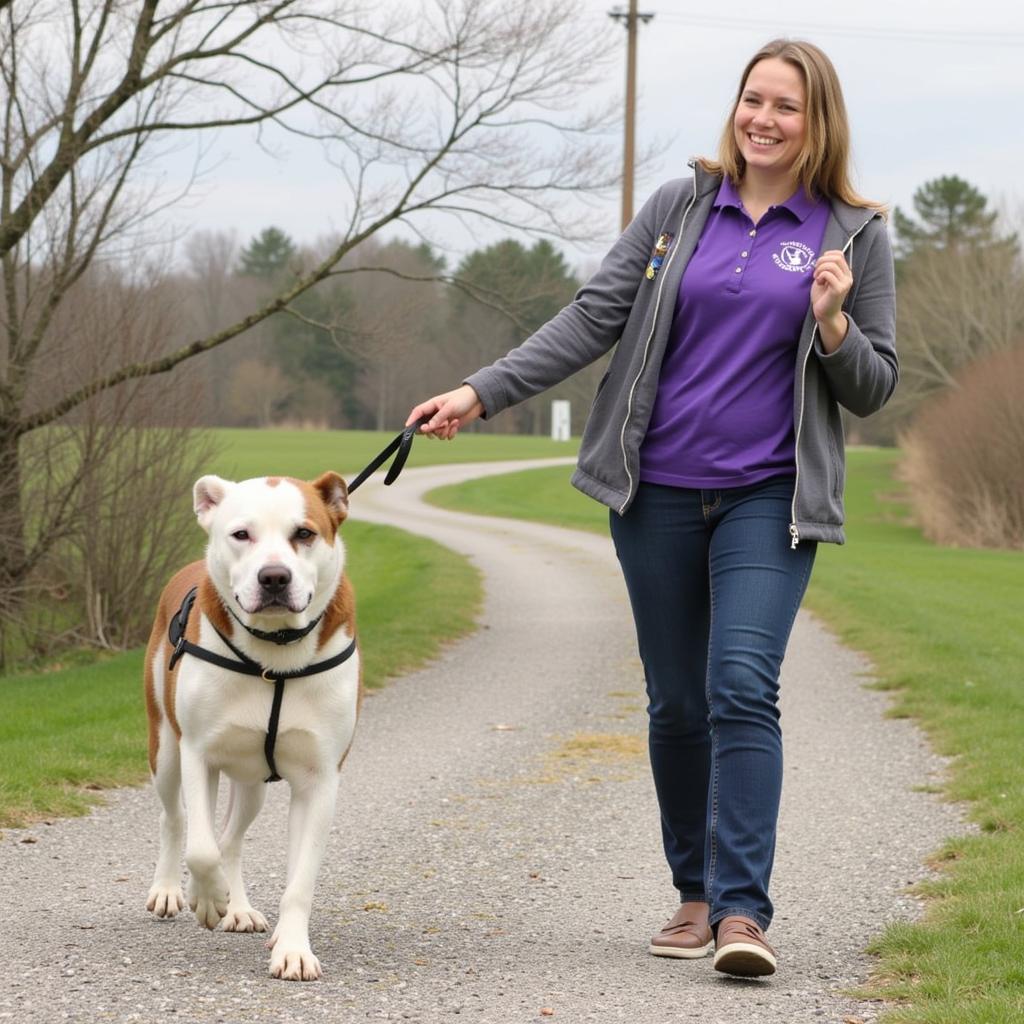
(12, 536)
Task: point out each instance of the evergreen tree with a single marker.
(532, 284)
(267, 254)
(951, 214)
(307, 353)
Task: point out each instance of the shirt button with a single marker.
(744, 253)
(739, 270)
(753, 232)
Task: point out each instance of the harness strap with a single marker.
(246, 666)
(275, 717)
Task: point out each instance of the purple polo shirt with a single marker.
(723, 415)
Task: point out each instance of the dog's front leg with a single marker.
(246, 801)
(208, 887)
(309, 825)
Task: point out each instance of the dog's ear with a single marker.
(334, 492)
(208, 493)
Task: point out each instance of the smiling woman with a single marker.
(741, 317)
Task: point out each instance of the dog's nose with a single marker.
(274, 577)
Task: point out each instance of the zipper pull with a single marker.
(795, 534)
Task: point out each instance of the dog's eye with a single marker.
(241, 535)
(302, 533)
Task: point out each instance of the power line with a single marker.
(911, 35)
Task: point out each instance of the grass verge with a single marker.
(70, 732)
(78, 727)
(943, 629)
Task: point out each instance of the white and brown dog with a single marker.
(271, 600)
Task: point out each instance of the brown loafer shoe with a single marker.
(741, 948)
(686, 934)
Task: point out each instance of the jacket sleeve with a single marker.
(581, 332)
(862, 373)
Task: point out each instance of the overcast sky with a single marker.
(932, 87)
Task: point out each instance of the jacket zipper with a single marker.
(794, 530)
(647, 346)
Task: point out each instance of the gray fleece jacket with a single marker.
(621, 304)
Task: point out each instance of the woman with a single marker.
(747, 303)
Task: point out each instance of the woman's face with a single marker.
(770, 118)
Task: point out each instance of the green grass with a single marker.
(943, 627)
(307, 454)
(74, 729)
(79, 727)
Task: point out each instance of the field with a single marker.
(77, 728)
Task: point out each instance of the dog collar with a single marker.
(281, 637)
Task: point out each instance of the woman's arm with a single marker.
(577, 335)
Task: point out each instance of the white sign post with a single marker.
(560, 420)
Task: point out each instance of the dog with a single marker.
(258, 638)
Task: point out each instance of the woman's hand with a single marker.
(833, 280)
(448, 412)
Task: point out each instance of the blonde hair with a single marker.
(823, 165)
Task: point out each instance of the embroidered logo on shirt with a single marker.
(794, 257)
(660, 249)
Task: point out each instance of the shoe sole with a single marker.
(680, 952)
(745, 960)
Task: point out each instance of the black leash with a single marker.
(247, 667)
(402, 444)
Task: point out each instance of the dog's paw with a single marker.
(244, 919)
(294, 964)
(209, 902)
(165, 900)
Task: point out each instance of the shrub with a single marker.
(964, 456)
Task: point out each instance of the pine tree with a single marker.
(267, 254)
(951, 214)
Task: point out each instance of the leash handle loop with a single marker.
(402, 444)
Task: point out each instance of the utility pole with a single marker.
(631, 18)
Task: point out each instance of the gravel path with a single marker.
(496, 853)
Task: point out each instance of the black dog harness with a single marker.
(247, 667)
(244, 665)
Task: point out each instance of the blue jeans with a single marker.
(715, 588)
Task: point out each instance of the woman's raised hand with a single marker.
(832, 282)
(448, 412)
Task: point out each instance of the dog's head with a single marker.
(274, 545)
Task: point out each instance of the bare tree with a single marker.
(101, 491)
(255, 391)
(396, 326)
(955, 306)
(466, 108)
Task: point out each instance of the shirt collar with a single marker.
(799, 203)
